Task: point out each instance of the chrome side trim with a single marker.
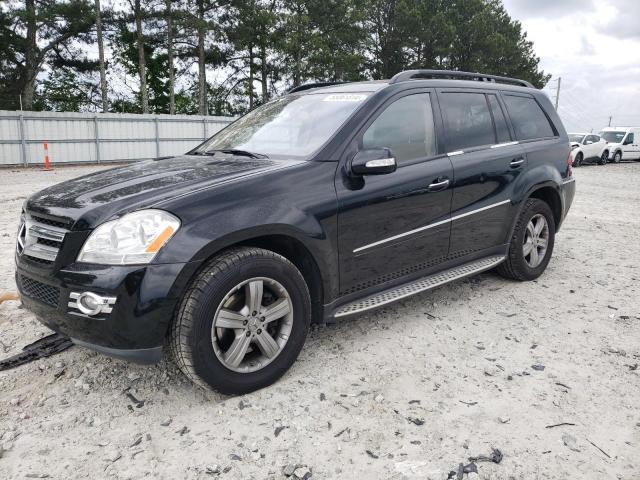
(453, 154)
(400, 235)
(418, 286)
(505, 144)
(462, 215)
(427, 227)
(564, 182)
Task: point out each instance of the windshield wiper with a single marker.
(234, 151)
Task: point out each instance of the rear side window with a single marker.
(406, 127)
(467, 120)
(529, 121)
(502, 130)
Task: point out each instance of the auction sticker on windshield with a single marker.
(344, 97)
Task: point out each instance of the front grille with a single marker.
(39, 291)
(40, 261)
(47, 221)
(40, 239)
(50, 243)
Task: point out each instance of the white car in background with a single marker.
(622, 142)
(587, 147)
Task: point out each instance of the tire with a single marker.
(516, 266)
(617, 157)
(604, 158)
(578, 161)
(199, 349)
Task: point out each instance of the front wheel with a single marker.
(578, 161)
(531, 244)
(243, 321)
(617, 158)
(604, 158)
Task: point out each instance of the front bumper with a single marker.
(135, 329)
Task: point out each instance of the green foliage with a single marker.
(253, 49)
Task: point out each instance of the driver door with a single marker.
(395, 224)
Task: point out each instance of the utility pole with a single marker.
(558, 93)
(610, 117)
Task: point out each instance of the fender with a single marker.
(296, 206)
(533, 180)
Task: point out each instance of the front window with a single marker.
(406, 127)
(576, 137)
(294, 126)
(612, 137)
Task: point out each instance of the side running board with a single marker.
(420, 285)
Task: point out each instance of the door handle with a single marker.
(439, 184)
(516, 162)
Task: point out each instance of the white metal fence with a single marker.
(102, 137)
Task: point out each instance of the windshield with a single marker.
(613, 137)
(294, 126)
(576, 137)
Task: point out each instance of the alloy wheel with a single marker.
(252, 324)
(604, 158)
(536, 239)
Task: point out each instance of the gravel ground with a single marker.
(409, 391)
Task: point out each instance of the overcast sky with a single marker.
(594, 45)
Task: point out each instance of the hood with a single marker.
(92, 199)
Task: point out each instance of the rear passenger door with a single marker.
(486, 161)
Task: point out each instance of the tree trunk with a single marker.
(31, 57)
(250, 77)
(172, 79)
(142, 68)
(202, 77)
(264, 72)
(103, 74)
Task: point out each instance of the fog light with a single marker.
(90, 303)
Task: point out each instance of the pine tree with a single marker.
(60, 24)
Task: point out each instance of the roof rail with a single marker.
(456, 75)
(308, 86)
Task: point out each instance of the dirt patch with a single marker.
(410, 391)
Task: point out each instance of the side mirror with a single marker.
(628, 142)
(374, 161)
(588, 142)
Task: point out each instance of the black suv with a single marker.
(326, 202)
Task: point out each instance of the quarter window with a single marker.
(406, 127)
(467, 120)
(529, 121)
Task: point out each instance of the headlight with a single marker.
(134, 238)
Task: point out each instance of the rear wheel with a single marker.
(617, 157)
(604, 158)
(243, 322)
(531, 244)
(578, 161)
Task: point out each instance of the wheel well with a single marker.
(551, 198)
(295, 251)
